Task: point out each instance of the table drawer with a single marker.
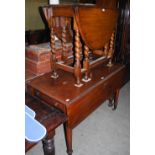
(46, 99)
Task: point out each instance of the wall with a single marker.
(33, 19)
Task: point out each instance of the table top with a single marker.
(63, 89)
(102, 22)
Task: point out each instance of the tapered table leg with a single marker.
(68, 138)
(110, 104)
(116, 99)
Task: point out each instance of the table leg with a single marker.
(68, 138)
(116, 99)
(48, 144)
(110, 104)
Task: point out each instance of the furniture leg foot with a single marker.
(70, 152)
(48, 146)
(114, 108)
(54, 75)
(116, 99)
(68, 138)
(110, 104)
(86, 79)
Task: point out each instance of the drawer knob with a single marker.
(56, 104)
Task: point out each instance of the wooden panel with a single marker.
(44, 98)
(95, 97)
(85, 106)
(57, 10)
(96, 25)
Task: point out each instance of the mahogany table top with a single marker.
(63, 90)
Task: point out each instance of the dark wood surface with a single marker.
(107, 3)
(63, 88)
(78, 103)
(50, 117)
(37, 36)
(96, 25)
(125, 46)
